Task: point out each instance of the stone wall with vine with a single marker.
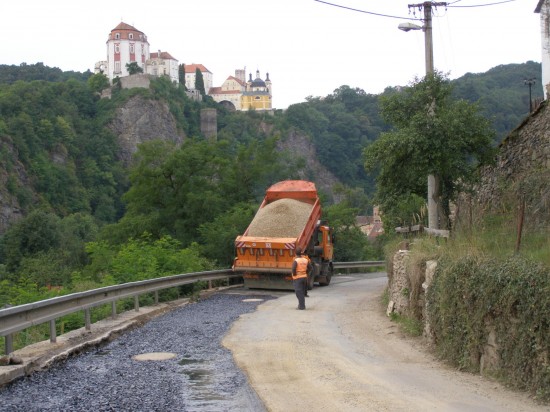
(481, 315)
(493, 317)
(521, 173)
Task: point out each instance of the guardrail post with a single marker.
(209, 284)
(87, 319)
(113, 309)
(53, 335)
(9, 344)
(156, 297)
(136, 303)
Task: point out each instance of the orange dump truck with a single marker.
(289, 217)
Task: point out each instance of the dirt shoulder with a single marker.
(344, 354)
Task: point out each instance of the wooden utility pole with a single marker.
(433, 180)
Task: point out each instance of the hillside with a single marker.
(76, 168)
(502, 93)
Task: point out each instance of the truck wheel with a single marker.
(310, 281)
(327, 277)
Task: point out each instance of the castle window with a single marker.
(117, 67)
(117, 36)
(257, 98)
(132, 48)
(117, 48)
(131, 36)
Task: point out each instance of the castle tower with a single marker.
(241, 75)
(126, 44)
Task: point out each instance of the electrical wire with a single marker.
(483, 5)
(366, 12)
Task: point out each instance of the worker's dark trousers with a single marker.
(300, 286)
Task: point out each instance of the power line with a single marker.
(366, 12)
(483, 5)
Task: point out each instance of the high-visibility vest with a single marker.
(301, 267)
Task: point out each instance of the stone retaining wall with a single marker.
(521, 171)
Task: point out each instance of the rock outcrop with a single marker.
(141, 120)
(300, 144)
(14, 184)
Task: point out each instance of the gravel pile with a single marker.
(281, 218)
(202, 376)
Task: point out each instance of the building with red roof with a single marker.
(126, 45)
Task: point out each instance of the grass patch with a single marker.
(411, 326)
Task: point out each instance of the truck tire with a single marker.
(327, 277)
(310, 281)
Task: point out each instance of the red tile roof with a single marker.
(163, 55)
(237, 80)
(124, 26)
(192, 68)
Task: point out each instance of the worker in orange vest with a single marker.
(300, 268)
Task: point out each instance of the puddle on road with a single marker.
(154, 356)
(201, 389)
(189, 361)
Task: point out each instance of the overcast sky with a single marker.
(309, 48)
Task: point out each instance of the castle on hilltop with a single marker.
(126, 45)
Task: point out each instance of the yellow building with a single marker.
(257, 95)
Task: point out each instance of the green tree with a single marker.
(142, 258)
(218, 236)
(133, 68)
(350, 243)
(98, 82)
(181, 75)
(38, 232)
(432, 134)
(199, 82)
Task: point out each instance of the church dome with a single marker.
(258, 82)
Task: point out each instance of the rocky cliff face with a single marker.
(141, 120)
(300, 145)
(13, 181)
(138, 121)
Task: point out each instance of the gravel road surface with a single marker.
(201, 375)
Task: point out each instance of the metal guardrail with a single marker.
(355, 265)
(20, 317)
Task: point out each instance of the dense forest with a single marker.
(87, 220)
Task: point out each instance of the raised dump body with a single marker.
(289, 217)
